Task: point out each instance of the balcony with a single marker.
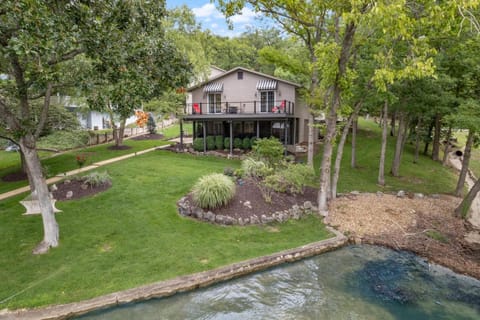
(276, 108)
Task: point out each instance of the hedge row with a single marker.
(220, 143)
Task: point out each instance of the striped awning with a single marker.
(267, 85)
(213, 87)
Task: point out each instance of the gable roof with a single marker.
(245, 70)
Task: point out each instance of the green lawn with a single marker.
(426, 176)
(130, 235)
(66, 161)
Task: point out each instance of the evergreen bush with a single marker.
(226, 143)
(210, 143)
(269, 150)
(198, 144)
(213, 190)
(246, 144)
(151, 124)
(237, 143)
(219, 142)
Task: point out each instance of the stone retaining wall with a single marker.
(186, 209)
(180, 284)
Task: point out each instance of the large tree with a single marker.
(40, 42)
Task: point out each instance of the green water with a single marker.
(356, 282)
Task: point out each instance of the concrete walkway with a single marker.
(62, 176)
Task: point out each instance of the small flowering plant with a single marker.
(81, 159)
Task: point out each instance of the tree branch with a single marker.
(44, 114)
(67, 56)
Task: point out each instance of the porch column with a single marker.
(258, 129)
(194, 129)
(294, 131)
(204, 137)
(231, 137)
(285, 137)
(181, 134)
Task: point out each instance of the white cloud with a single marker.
(246, 16)
(208, 10)
(214, 25)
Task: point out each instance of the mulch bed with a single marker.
(155, 136)
(76, 187)
(15, 176)
(249, 191)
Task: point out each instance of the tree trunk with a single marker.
(397, 157)
(462, 210)
(392, 124)
(465, 163)
(447, 146)
(429, 134)
(332, 119)
(310, 150)
(341, 145)
(353, 162)
(381, 167)
(417, 140)
(50, 226)
(120, 133)
(436, 138)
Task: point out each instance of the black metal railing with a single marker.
(243, 107)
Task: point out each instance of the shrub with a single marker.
(219, 142)
(252, 141)
(253, 168)
(292, 178)
(226, 143)
(151, 124)
(246, 143)
(210, 143)
(198, 144)
(228, 171)
(237, 143)
(238, 173)
(62, 140)
(268, 150)
(213, 190)
(96, 179)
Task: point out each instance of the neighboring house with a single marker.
(89, 119)
(245, 103)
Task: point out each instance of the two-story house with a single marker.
(245, 103)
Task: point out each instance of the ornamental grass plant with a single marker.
(213, 191)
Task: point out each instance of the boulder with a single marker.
(401, 194)
(69, 194)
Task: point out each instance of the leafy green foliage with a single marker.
(269, 150)
(254, 168)
(219, 142)
(63, 140)
(226, 143)
(198, 144)
(237, 143)
(210, 143)
(291, 178)
(246, 144)
(213, 191)
(97, 179)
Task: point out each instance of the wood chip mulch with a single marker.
(425, 226)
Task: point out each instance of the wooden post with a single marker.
(204, 137)
(231, 138)
(294, 131)
(258, 129)
(285, 137)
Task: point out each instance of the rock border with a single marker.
(179, 284)
(295, 212)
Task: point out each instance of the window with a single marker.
(240, 75)
(249, 128)
(215, 103)
(267, 101)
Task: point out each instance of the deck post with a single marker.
(285, 137)
(294, 140)
(204, 137)
(258, 129)
(231, 137)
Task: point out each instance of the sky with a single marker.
(212, 19)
